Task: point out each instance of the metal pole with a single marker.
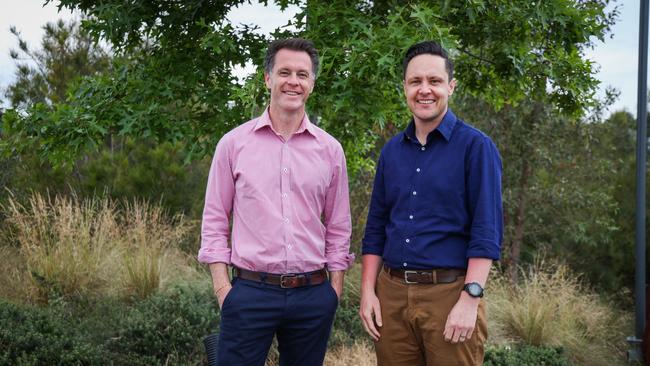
(635, 353)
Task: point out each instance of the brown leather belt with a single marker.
(433, 276)
(292, 280)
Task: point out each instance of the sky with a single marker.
(616, 58)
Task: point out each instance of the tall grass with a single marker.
(552, 307)
(75, 247)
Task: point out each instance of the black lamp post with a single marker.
(635, 353)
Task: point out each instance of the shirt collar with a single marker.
(305, 125)
(445, 128)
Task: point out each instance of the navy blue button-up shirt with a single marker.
(435, 206)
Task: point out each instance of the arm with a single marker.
(220, 281)
(485, 209)
(336, 280)
(373, 249)
(215, 230)
(338, 223)
(462, 318)
(369, 309)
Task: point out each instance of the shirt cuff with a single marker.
(212, 255)
(340, 262)
(483, 248)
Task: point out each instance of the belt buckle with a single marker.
(286, 277)
(406, 276)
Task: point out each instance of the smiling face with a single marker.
(291, 80)
(427, 88)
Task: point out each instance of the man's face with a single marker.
(427, 88)
(291, 80)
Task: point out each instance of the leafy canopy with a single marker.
(174, 81)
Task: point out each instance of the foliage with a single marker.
(67, 53)
(172, 88)
(168, 327)
(525, 356)
(31, 336)
(552, 307)
(80, 248)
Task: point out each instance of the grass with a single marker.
(78, 250)
(68, 247)
(553, 307)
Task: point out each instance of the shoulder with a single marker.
(471, 136)
(328, 141)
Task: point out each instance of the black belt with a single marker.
(291, 280)
(441, 275)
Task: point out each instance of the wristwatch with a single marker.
(473, 289)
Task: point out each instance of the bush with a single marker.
(525, 356)
(168, 327)
(31, 336)
(551, 307)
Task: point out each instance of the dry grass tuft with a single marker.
(551, 306)
(75, 248)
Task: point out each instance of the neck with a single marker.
(423, 127)
(285, 122)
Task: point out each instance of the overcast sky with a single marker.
(617, 56)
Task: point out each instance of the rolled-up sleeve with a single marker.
(338, 223)
(374, 237)
(219, 195)
(484, 199)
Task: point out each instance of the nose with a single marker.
(425, 88)
(293, 78)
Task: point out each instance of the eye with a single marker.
(303, 75)
(283, 73)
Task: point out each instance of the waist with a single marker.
(430, 276)
(289, 280)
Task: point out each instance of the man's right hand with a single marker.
(222, 293)
(370, 313)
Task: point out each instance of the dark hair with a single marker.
(431, 48)
(294, 44)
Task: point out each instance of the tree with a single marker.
(178, 84)
(66, 54)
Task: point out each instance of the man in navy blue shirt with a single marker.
(434, 227)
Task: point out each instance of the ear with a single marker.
(267, 80)
(452, 86)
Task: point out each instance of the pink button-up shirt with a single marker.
(277, 192)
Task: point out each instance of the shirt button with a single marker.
(415, 193)
(284, 195)
(289, 246)
(404, 264)
(408, 240)
(285, 170)
(286, 220)
(417, 170)
(411, 217)
(423, 148)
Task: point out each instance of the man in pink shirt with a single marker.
(284, 183)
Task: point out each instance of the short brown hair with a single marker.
(294, 44)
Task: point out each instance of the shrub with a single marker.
(168, 326)
(525, 356)
(551, 307)
(31, 336)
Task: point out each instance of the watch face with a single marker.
(474, 289)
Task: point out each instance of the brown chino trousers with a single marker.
(414, 317)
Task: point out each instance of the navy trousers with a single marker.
(254, 312)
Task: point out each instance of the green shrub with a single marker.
(32, 336)
(525, 356)
(168, 326)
